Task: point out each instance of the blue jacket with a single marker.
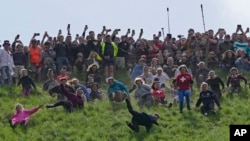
(137, 71)
(117, 86)
(86, 92)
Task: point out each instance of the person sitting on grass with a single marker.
(159, 94)
(143, 93)
(96, 93)
(208, 98)
(117, 91)
(26, 82)
(76, 84)
(93, 70)
(51, 82)
(22, 115)
(143, 119)
(63, 73)
(74, 100)
(233, 80)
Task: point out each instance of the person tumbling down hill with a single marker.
(22, 115)
(74, 99)
(141, 119)
(117, 91)
(208, 98)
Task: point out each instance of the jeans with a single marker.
(60, 61)
(5, 70)
(181, 94)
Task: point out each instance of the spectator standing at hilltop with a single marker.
(61, 50)
(35, 56)
(108, 53)
(225, 45)
(6, 63)
(20, 60)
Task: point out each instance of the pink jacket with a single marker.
(23, 115)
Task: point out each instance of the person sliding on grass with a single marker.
(22, 115)
(140, 119)
(74, 100)
(208, 98)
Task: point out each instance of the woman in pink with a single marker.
(22, 115)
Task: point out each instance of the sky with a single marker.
(25, 17)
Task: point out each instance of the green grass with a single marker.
(103, 122)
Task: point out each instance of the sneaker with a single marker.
(188, 107)
(205, 114)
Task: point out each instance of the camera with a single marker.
(179, 36)
(108, 30)
(169, 36)
(118, 29)
(238, 26)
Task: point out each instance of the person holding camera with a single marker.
(61, 50)
(48, 57)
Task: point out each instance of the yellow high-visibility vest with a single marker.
(113, 45)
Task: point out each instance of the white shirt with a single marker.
(6, 59)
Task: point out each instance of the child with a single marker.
(26, 82)
(22, 115)
(208, 98)
(159, 94)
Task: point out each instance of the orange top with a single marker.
(35, 55)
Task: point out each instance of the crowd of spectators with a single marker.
(154, 60)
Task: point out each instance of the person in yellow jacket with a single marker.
(108, 53)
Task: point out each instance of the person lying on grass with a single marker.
(208, 98)
(142, 119)
(22, 115)
(74, 100)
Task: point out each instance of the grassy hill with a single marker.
(103, 121)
